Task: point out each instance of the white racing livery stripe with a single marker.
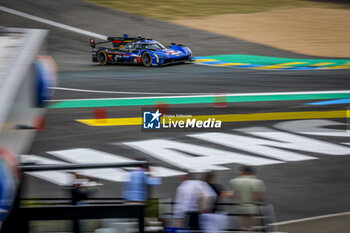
(53, 23)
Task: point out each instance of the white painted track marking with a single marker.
(60, 178)
(296, 142)
(226, 94)
(314, 127)
(180, 154)
(87, 155)
(255, 145)
(267, 142)
(124, 92)
(53, 23)
(273, 144)
(310, 218)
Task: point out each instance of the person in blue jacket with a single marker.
(137, 189)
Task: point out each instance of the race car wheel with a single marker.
(102, 57)
(147, 59)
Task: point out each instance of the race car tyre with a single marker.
(102, 57)
(147, 59)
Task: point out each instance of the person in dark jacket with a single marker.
(214, 220)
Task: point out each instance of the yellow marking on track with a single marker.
(112, 121)
(227, 117)
(205, 60)
(337, 67)
(233, 64)
(272, 67)
(322, 64)
(292, 63)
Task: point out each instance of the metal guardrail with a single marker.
(106, 204)
(71, 212)
(98, 208)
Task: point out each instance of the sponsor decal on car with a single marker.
(172, 52)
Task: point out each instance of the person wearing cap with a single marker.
(247, 191)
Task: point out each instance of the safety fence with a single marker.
(72, 212)
(33, 209)
(38, 209)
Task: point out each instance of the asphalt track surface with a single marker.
(297, 189)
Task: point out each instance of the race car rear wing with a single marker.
(117, 41)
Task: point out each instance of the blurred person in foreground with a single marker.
(82, 187)
(193, 197)
(247, 191)
(215, 219)
(137, 189)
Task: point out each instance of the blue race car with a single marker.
(139, 50)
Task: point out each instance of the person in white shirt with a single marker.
(193, 197)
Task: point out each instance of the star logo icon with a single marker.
(156, 115)
(151, 120)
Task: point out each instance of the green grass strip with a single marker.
(192, 100)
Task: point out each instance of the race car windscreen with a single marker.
(152, 46)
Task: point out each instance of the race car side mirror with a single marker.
(92, 42)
